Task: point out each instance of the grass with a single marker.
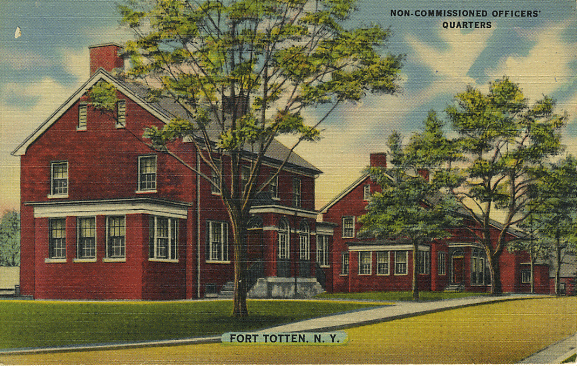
(58, 323)
(498, 333)
(398, 295)
(570, 359)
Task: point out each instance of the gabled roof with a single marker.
(496, 224)
(346, 191)
(163, 109)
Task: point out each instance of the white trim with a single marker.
(376, 248)
(90, 259)
(84, 260)
(139, 173)
(64, 209)
(359, 261)
(53, 196)
(99, 75)
(217, 262)
(388, 262)
(343, 226)
(113, 260)
(163, 260)
(346, 191)
(472, 244)
(54, 260)
(299, 212)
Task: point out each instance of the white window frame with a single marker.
(82, 116)
(215, 177)
(60, 191)
(57, 244)
(120, 235)
(147, 189)
(217, 247)
(155, 253)
(304, 242)
(365, 263)
(273, 188)
(477, 267)
(401, 266)
(366, 192)
(348, 226)
(121, 113)
(384, 257)
(80, 245)
(526, 276)
(323, 251)
(297, 192)
(442, 263)
(283, 240)
(345, 262)
(424, 258)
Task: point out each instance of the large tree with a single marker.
(501, 141)
(10, 239)
(553, 213)
(244, 71)
(410, 204)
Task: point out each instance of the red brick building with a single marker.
(455, 263)
(104, 216)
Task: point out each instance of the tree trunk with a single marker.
(415, 284)
(557, 265)
(239, 226)
(495, 271)
(532, 280)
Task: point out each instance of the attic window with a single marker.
(121, 114)
(82, 116)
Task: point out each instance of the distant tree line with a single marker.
(10, 239)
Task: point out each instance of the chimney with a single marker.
(378, 160)
(424, 173)
(105, 55)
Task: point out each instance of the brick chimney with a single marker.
(105, 55)
(424, 173)
(379, 160)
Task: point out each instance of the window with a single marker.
(121, 113)
(345, 263)
(366, 192)
(323, 250)
(86, 227)
(283, 240)
(163, 238)
(442, 263)
(365, 262)
(244, 176)
(383, 263)
(217, 241)
(273, 188)
(297, 192)
(59, 179)
(477, 267)
(116, 237)
(526, 276)
(348, 226)
(304, 242)
(82, 116)
(401, 262)
(424, 265)
(146, 173)
(215, 177)
(57, 242)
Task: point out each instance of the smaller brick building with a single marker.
(455, 263)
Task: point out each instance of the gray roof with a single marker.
(276, 153)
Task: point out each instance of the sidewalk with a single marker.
(555, 353)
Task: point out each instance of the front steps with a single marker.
(275, 288)
(455, 288)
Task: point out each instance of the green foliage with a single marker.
(244, 72)
(102, 96)
(10, 239)
(40, 324)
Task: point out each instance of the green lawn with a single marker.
(398, 295)
(57, 323)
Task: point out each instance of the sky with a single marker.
(534, 43)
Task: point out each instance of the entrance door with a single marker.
(458, 269)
